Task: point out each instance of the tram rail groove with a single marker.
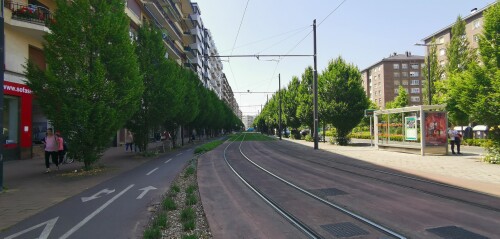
(288, 216)
(407, 186)
(330, 204)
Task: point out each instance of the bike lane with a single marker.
(117, 208)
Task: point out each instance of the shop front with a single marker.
(17, 121)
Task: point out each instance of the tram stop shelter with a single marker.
(415, 129)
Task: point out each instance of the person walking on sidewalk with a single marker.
(129, 140)
(454, 137)
(61, 151)
(51, 149)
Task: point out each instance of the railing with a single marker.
(30, 13)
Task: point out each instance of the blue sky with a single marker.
(361, 31)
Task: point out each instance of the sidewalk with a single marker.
(466, 170)
(29, 190)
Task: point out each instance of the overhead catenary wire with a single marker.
(234, 44)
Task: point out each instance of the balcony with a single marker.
(30, 13)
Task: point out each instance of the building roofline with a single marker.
(465, 18)
(412, 57)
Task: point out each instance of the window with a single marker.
(396, 82)
(414, 74)
(396, 74)
(415, 99)
(396, 91)
(404, 66)
(422, 66)
(441, 40)
(442, 52)
(415, 82)
(405, 82)
(414, 66)
(404, 74)
(415, 90)
(477, 24)
(11, 119)
(395, 66)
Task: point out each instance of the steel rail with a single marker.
(352, 214)
(288, 216)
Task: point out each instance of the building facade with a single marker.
(473, 29)
(248, 120)
(381, 81)
(24, 122)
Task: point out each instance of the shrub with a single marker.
(160, 221)
(308, 138)
(169, 204)
(152, 233)
(189, 171)
(175, 189)
(189, 237)
(188, 214)
(208, 146)
(191, 199)
(189, 225)
(190, 189)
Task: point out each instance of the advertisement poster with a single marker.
(435, 129)
(411, 128)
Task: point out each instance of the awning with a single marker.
(480, 128)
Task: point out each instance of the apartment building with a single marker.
(248, 120)
(381, 80)
(473, 29)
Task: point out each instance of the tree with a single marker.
(93, 84)
(458, 52)
(159, 97)
(345, 100)
(290, 103)
(402, 100)
(460, 57)
(436, 74)
(305, 99)
(477, 89)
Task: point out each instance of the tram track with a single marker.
(457, 194)
(294, 220)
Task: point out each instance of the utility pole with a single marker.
(2, 65)
(315, 88)
(279, 95)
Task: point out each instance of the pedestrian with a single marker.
(51, 149)
(454, 137)
(129, 140)
(61, 150)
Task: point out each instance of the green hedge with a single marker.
(475, 142)
(208, 146)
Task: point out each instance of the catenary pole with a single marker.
(2, 63)
(315, 88)
(279, 95)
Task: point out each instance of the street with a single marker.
(117, 208)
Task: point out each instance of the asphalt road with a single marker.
(117, 208)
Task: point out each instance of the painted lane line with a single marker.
(92, 215)
(49, 225)
(168, 160)
(97, 195)
(178, 154)
(150, 172)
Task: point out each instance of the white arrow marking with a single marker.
(49, 225)
(97, 195)
(145, 190)
(168, 160)
(178, 154)
(89, 217)
(150, 172)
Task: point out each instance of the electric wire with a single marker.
(332, 12)
(234, 44)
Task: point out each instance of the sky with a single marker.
(362, 32)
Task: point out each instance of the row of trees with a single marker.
(341, 103)
(99, 81)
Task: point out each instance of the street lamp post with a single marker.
(429, 86)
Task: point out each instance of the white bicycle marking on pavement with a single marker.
(49, 225)
(97, 195)
(145, 190)
(92, 215)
